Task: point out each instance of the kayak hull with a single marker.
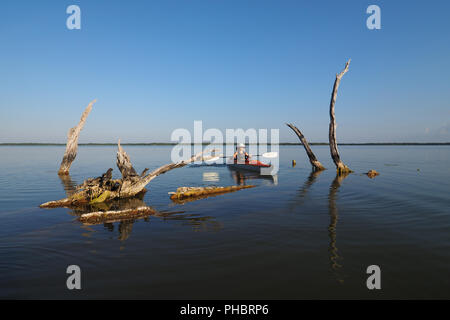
(253, 165)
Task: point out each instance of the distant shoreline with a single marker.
(205, 144)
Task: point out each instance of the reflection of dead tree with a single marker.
(309, 182)
(198, 223)
(69, 185)
(340, 166)
(333, 250)
(317, 166)
(128, 210)
(125, 228)
(305, 188)
(72, 142)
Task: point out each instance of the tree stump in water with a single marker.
(317, 166)
(340, 166)
(372, 174)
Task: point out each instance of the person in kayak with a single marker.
(241, 155)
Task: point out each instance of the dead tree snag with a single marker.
(72, 142)
(340, 166)
(317, 166)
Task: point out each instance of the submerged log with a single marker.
(104, 188)
(317, 166)
(115, 215)
(72, 142)
(340, 166)
(191, 193)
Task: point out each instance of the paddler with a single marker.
(241, 155)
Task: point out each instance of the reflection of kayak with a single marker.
(252, 165)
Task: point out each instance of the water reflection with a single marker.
(243, 177)
(335, 258)
(303, 191)
(125, 225)
(68, 184)
(309, 182)
(211, 176)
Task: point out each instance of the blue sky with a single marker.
(155, 66)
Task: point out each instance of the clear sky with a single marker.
(155, 66)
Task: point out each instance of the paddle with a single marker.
(265, 155)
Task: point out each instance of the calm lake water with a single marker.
(295, 236)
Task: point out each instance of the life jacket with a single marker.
(241, 157)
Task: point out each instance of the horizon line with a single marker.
(208, 143)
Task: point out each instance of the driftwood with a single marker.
(115, 215)
(372, 174)
(195, 193)
(72, 142)
(104, 188)
(317, 166)
(340, 166)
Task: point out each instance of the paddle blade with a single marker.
(213, 159)
(270, 155)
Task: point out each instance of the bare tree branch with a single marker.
(72, 142)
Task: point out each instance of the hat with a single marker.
(241, 145)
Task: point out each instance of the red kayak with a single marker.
(252, 165)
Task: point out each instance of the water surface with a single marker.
(298, 235)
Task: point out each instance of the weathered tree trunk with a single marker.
(72, 142)
(340, 166)
(317, 166)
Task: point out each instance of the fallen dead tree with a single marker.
(115, 215)
(340, 166)
(195, 193)
(317, 166)
(72, 142)
(104, 188)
